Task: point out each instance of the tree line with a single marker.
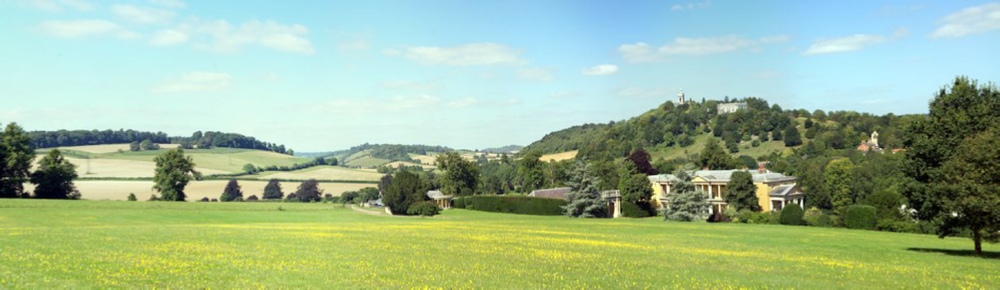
(208, 139)
(53, 178)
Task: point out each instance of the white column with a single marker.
(710, 193)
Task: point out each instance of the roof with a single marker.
(437, 195)
(554, 193)
(718, 176)
(786, 190)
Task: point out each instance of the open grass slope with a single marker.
(120, 189)
(86, 244)
(108, 161)
(321, 173)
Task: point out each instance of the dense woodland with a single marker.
(208, 139)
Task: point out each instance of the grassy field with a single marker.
(558, 156)
(322, 173)
(87, 244)
(221, 159)
(119, 189)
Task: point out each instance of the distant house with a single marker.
(730, 107)
(443, 201)
(871, 144)
(553, 193)
(774, 190)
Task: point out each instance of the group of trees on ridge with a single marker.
(53, 179)
(208, 139)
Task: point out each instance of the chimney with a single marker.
(760, 168)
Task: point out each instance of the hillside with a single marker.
(672, 132)
(206, 140)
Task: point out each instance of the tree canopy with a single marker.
(460, 177)
(273, 190)
(232, 192)
(585, 198)
(173, 172)
(16, 155)
(308, 191)
(741, 193)
(687, 203)
(713, 157)
(404, 190)
(54, 177)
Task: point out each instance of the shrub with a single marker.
(773, 218)
(423, 208)
(825, 221)
(203, 199)
(634, 210)
(811, 216)
(734, 216)
(131, 197)
(514, 204)
(860, 217)
(458, 203)
(153, 197)
(253, 198)
(791, 215)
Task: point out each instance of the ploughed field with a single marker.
(102, 244)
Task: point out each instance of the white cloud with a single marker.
(691, 6)
(643, 52)
(968, 21)
(465, 102)
(142, 15)
(194, 82)
(168, 37)
(225, 37)
(843, 44)
(174, 4)
(600, 70)
(466, 55)
(81, 28)
(536, 74)
(59, 5)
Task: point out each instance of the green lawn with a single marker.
(92, 244)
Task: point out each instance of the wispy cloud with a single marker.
(83, 28)
(643, 52)
(472, 54)
(142, 15)
(537, 74)
(58, 5)
(225, 37)
(600, 70)
(198, 81)
(168, 37)
(691, 6)
(852, 42)
(968, 21)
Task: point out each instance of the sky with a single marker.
(327, 75)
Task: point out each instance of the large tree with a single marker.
(791, 136)
(16, 155)
(634, 186)
(585, 198)
(713, 156)
(54, 176)
(838, 179)
(529, 171)
(686, 203)
(173, 172)
(232, 192)
(640, 158)
(309, 191)
(405, 189)
(741, 193)
(954, 138)
(273, 190)
(461, 176)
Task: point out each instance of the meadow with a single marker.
(120, 189)
(92, 244)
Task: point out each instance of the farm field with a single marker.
(120, 189)
(92, 244)
(106, 161)
(558, 156)
(321, 173)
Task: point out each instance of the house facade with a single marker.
(730, 107)
(774, 190)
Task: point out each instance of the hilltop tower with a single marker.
(874, 139)
(680, 97)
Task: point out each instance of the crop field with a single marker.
(558, 156)
(366, 162)
(428, 159)
(92, 244)
(106, 161)
(120, 189)
(322, 173)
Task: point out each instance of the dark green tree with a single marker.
(713, 157)
(529, 171)
(134, 146)
(309, 191)
(791, 136)
(585, 198)
(273, 190)
(687, 203)
(460, 177)
(741, 193)
(54, 177)
(972, 189)
(16, 155)
(403, 191)
(634, 186)
(173, 172)
(148, 145)
(232, 192)
(249, 168)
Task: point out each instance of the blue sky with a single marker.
(327, 75)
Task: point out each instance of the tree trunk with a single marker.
(977, 238)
